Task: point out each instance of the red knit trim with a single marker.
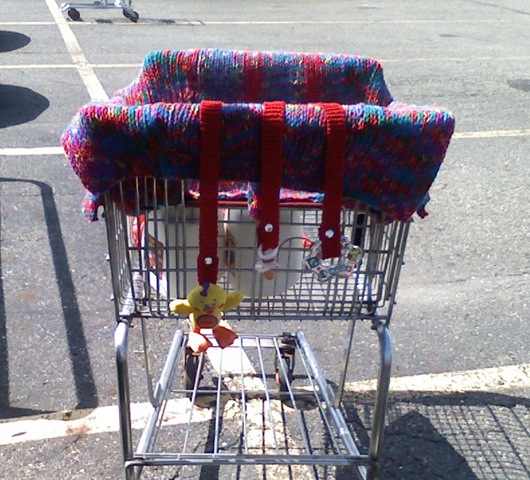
(253, 69)
(209, 170)
(313, 69)
(330, 228)
(189, 63)
(272, 130)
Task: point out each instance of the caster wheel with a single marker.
(74, 14)
(192, 370)
(282, 379)
(132, 16)
(284, 364)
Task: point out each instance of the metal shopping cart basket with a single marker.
(253, 186)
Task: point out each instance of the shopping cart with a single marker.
(302, 207)
(71, 8)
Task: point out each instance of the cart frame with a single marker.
(296, 129)
(366, 294)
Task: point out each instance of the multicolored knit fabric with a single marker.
(189, 76)
(151, 127)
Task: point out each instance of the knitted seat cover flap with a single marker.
(151, 128)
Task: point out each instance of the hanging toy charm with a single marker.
(204, 306)
(344, 266)
(267, 262)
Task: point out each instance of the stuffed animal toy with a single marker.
(204, 307)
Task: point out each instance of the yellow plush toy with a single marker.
(204, 306)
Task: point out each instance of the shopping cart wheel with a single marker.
(74, 14)
(284, 363)
(192, 370)
(131, 15)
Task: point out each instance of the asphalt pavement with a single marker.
(460, 403)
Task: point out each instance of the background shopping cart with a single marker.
(71, 8)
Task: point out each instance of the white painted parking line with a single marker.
(485, 380)
(98, 420)
(36, 151)
(91, 81)
(476, 58)
(345, 22)
(29, 24)
(105, 419)
(493, 134)
(54, 66)
(37, 67)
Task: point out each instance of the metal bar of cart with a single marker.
(124, 401)
(161, 394)
(327, 394)
(267, 394)
(142, 282)
(196, 459)
(383, 385)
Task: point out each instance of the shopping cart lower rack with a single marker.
(263, 395)
(255, 421)
(238, 213)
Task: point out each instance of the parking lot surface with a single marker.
(459, 406)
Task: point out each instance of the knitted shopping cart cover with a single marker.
(152, 127)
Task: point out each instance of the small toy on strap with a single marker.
(206, 303)
(333, 255)
(267, 262)
(204, 306)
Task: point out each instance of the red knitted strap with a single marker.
(313, 67)
(209, 169)
(330, 228)
(253, 73)
(272, 130)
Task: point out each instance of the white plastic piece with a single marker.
(240, 233)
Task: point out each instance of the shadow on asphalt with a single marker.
(20, 105)
(80, 361)
(467, 436)
(10, 41)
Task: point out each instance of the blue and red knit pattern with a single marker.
(151, 128)
(190, 76)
